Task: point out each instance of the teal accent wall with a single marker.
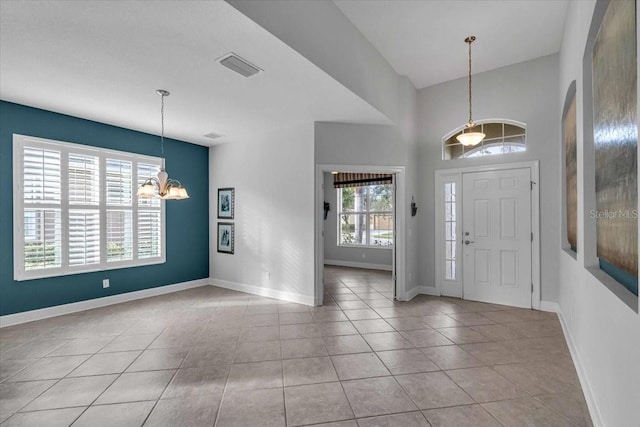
(625, 279)
(187, 240)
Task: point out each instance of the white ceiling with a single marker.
(103, 61)
(424, 39)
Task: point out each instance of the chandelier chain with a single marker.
(470, 118)
(162, 124)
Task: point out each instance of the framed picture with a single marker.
(226, 200)
(616, 142)
(226, 237)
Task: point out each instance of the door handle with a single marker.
(466, 242)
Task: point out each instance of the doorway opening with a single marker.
(360, 226)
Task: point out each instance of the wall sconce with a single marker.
(327, 208)
(414, 207)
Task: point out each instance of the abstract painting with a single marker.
(571, 166)
(615, 136)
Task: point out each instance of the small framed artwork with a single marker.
(226, 237)
(226, 199)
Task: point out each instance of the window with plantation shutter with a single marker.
(75, 209)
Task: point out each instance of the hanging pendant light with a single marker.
(167, 188)
(470, 138)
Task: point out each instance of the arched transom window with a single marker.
(502, 136)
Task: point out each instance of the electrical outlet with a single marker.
(364, 256)
(105, 283)
(267, 275)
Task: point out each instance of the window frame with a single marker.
(493, 141)
(19, 206)
(366, 214)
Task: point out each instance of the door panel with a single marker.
(496, 224)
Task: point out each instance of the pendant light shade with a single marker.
(470, 138)
(167, 188)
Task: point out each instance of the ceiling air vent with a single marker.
(212, 135)
(239, 65)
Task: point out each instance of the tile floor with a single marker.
(209, 356)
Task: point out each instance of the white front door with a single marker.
(496, 236)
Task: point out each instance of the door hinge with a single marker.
(532, 183)
(394, 277)
(532, 236)
(532, 288)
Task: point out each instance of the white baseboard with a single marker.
(421, 290)
(594, 411)
(59, 310)
(550, 306)
(364, 265)
(264, 292)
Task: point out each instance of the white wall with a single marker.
(354, 144)
(377, 258)
(604, 331)
(273, 177)
(526, 92)
(319, 31)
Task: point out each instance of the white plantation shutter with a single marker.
(75, 209)
(119, 189)
(41, 176)
(84, 236)
(148, 234)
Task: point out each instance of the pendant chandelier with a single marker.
(470, 138)
(162, 186)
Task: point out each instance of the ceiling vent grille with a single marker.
(212, 135)
(239, 65)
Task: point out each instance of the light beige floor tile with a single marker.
(82, 346)
(257, 351)
(372, 326)
(440, 321)
(158, 359)
(458, 416)
(11, 367)
(252, 408)
(387, 341)
(121, 414)
(68, 392)
(426, 338)
(361, 314)
(360, 365)
(136, 386)
(198, 381)
(552, 376)
(303, 347)
(346, 344)
(497, 332)
(471, 319)
(433, 390)
(259, 333)
(329, 316)
(129, 342)
(195, 411)
(451, 357)
(105, 363)
(254, 376)
(305, 330)
(463, 335)
(407, 323)
(14, 396)
(316, 403)
(406, 361)
(571, 405)
(49, 368)
(525, 412)
(331, 329)
(207, 354)
(50, 418)
(270, 319)
(377, 396)
(406, 419)
(485, 384)
(308, 371)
